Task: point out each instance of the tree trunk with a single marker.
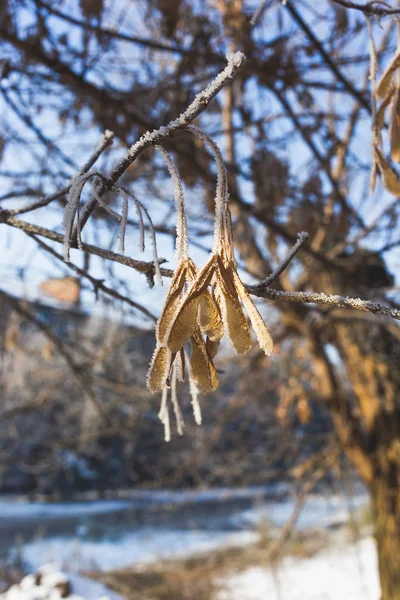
(386, 504)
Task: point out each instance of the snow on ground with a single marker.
(344, 572)
(49, 583)
(145, 545)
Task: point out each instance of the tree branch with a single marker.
(97, 283)
(106, 140)
(327, 299)
(370, 8)
(301, 239)
(199, 104)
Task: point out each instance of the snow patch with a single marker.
(349, 572)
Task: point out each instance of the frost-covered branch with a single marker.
(327, 299)
(200, 103)
(106, 140)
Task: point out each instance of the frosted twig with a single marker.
(327, 299)
(141, 207)
(221, 193)
(70, 210)
(194, 392)
(97, 283)
(163, 415)
(105, 141)
(181, 226)
(175, 403)
(30, 228)
(124, 221)
(370, 8)
(302, 237)
(200, 103)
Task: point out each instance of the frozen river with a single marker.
(108, 534)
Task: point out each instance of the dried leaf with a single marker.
(385, 81)
(210, 318)
(201, 366)
(380, 114)
(257, 322)
(185, 321)
(389, 177)
(172, 301)
(372, 179)
(235, 323)
(160, 367)
(394, 127)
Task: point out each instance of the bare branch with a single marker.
(376, 8)
(97, 283)
(105, 141)
(327, 299)
(302, 237)
(139, 265)
(199, 104)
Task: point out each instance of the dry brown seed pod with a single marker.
(185, 321)
(380, 114)
(210, 318)
(172, 301)
(394, 127)
(389, 177)
(260, 329)
(160, 367)
(386, 80)
(235, 323)
(201, 366)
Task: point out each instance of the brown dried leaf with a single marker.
(394, 127)
(380, 114)
(172, 301)
(160, 367)
(385, 81)
(210, 318)
(185, 320)
(235, 324)
(201, 366)
(372, 178)
(389, 177)
(257, 322)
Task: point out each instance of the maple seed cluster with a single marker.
(202, 306)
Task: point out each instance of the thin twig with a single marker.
(97, 283)
(199, 104)
(371, 8)
(302, 237)
(30, 228)
(105, 141)
(327, 299)
(261, 292)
